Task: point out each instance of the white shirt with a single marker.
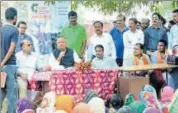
(106, 40)
(48, 60)
(76, 57)
(130, 39)
(174, 35)
(105, 63)
(26, 63)
(53, 63)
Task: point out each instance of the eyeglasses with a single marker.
(28, 45)
(119, 20)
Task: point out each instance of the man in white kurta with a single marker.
(104, 39)
(131, 37)
(174, 29)
(26, 64)
(101, 62)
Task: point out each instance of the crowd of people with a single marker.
(145, 102)
(139, 43)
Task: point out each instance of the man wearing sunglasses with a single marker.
(22, 26)
(26, 66)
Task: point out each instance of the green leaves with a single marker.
(110, 6)
(155, 6)
(174, 4)
(50, 2)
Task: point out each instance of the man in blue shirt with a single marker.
(153, 34)
(117, 35)
(22, 26)
(9, 37)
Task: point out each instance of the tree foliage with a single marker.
(110, 6)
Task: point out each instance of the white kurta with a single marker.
(105, 63)
(106, 41)
(26, 63)
(50, 60)
(130, 39)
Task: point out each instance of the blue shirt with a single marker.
(152, 36)
(20, 39)
(9, 34)
(117, 36)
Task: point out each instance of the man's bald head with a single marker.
(25, 42)
(145, 23)
(61, 39)
(61, 43)
(26, 46)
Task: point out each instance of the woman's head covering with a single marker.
(166, 94)
(51, 98)
(60, 111)
(97, 105)
(115, 101)
(130, 98)
(126, 109)
(139, 107)
(65, 102)
(148, 99)
(89, 95)
(151, 110)
(173, 105)
(23, 104)
(151, 89)
(82, 108)
(28, 111)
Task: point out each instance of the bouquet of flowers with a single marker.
(82, 66)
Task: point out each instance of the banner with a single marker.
(44, 21)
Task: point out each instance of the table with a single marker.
(76, 82)
(39, 78)
(147, 67)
